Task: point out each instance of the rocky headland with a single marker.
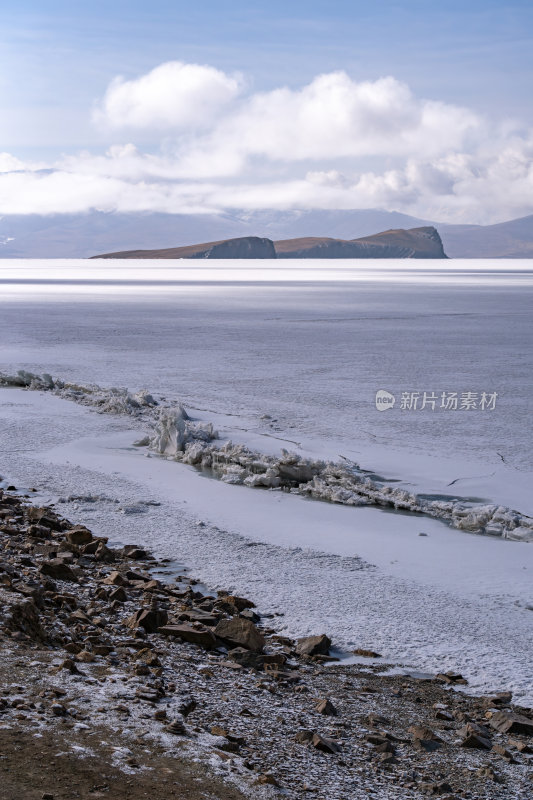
(414, 243)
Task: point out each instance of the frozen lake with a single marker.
(307, 343)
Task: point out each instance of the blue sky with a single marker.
(58, 57)
(57, 60)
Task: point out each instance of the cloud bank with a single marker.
(334, 143)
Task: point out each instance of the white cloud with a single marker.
(480, 187)
(331, 118)
(172, 96)
(288, 148)
(8, 163)
(334, 116)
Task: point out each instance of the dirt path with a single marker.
(31, 768)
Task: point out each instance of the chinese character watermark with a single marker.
(437, 401)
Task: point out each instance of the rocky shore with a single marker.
(120, 679)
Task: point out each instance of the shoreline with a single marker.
(446, 601)
(364, 736)
(176, 437)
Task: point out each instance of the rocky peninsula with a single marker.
(422, 242)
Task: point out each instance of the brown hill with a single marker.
(243, 247)
(414, 243)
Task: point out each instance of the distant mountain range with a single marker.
(513, 239)
(84, 235)
(415, 243)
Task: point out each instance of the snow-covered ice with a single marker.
(176, 436)
(291, 357)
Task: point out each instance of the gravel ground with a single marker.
(101, 696)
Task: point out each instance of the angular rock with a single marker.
(421, 732)
(499, 699)
(313, 645)
(79, 616)
(134, 552)
(115, 579)
(44, 516)
(229, 747)
(204, 637)
(488, 772)
(197, 615)
(150, 695)
(508, 722)
(57, 569)
(224, 607)
(428, 745)
(79, 536)
(386, 759)
(424, 738)
(39, 532)
(241, 603)
(21, 615)
(240, 632)
(103, 553)
(70, 666)
(151, 586)
(304, 737)
(326, 707)
(503, 752)
(91, 548)
(85, 656)
(385, 747)
(473, 727)
(249, 614)
(323, 744)
(475, 737)
(246, 658)
(444, 715)
(102, 649)
(130, 575)
(118, 595)
(366, 653)
(149, 619)
(475, 742)
(522, 747)
(451, 677)
(187, 706)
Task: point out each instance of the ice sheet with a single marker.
(445, 600)
(295, 353)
